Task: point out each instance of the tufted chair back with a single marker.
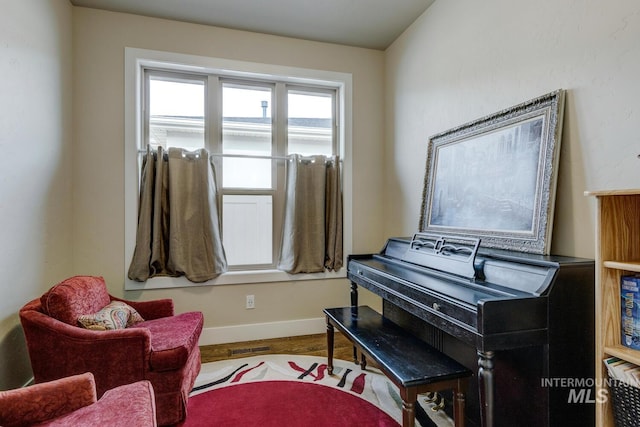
(74, 297)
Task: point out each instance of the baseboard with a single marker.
(262, 331)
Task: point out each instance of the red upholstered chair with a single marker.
(162, 349)
(72, 401)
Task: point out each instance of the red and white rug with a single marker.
(297, 391)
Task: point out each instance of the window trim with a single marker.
(135, 61)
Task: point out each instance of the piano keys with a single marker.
(523, 322)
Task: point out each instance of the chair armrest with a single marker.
(150, 310)
(79, 350)
(42, 402)
(135, 402)
(79, 336)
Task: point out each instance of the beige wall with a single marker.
(100, 39)
(35, 165)
(458, 62)
(463, 60)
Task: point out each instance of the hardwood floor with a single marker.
(312, 345)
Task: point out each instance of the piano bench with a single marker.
(412, 365)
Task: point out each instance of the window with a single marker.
(250, 122)
(175, 111)
(249, 182)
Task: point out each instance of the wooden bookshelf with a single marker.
(617, 254)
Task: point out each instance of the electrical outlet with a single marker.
(251, 302)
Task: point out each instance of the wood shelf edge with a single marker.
(627, 192)
(628, 354)
(623, 265)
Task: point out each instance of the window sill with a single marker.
(231, 278)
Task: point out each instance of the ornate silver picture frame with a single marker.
(495, 178)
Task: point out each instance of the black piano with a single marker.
(523, 322)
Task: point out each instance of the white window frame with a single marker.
(138, 59)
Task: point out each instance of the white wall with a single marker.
(35, 165)
(462, 60)
(100, 39)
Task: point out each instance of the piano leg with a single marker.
(330, 333)
(485, 384)
(354, 294)
(354, 313)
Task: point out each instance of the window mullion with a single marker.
(280, 146)
(280, 142)
(145, 114)
(213, 123)
(335, 123)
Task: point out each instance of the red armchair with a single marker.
(72, 401)
(162, 349)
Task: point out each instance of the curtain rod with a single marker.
(242, 156)
(247, 156)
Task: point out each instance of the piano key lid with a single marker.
(455, 255)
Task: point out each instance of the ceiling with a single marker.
(371, 24)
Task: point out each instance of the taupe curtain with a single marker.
(312, 232)
(178, 223)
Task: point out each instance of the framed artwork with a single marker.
(495, 178)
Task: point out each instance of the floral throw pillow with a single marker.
(116, 315)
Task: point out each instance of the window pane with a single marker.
(247, 236)
(176, 113)
(310, 119)
(246, 130)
